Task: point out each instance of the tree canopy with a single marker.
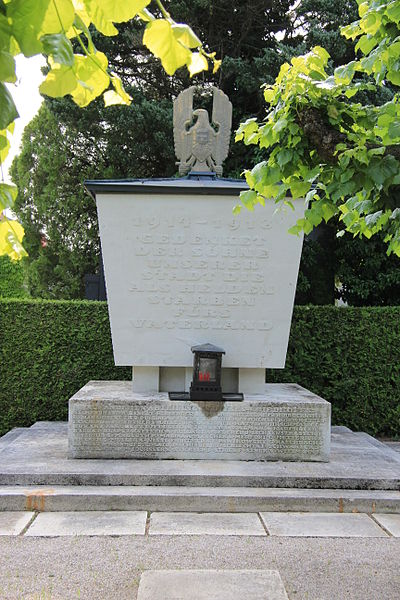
(61, 30)
(324, 140)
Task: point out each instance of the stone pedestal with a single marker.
(109, 420)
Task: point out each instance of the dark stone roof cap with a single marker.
(207, 348)
(195, 183)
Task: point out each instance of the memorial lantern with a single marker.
(206, 384)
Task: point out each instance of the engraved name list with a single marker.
(200, 272)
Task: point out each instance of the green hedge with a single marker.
(48, 350)
(350, 356)
(11, 278)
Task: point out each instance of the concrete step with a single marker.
(11, 436)
(38, 457)
(196, 499)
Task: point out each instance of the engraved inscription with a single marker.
(200, 273)
(157, 429)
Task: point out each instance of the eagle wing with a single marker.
(183, 110)
(222, 117)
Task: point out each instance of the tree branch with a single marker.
(324, 137)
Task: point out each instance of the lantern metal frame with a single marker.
(206, 384)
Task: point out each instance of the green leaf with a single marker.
(310, 196)
(393, 11)
(60, 80)
(160, 40)
(344, 75)
(11, 234)
(197, 64)
(59, 47)
(5, 33)
(366, 43)
(351, 31)
(280, 124)
(328, 211)
(299, 188)
(269, 94)
(92, 77)
(258, 174)
(395, 214)
(394, 76)
(284, 157)
(26, 20)
(332, 111)
(7, 67)
(185, 35)
(99, 18)
(246, 128)
(104, 13)
(313, 216)
(237, 209)
(118, 95)
(382, 169)
(371, 22)
(8, 194)
(119, 88)
(4, 147)
(58, 17)
(321, 53)
(249, 199)
(8, 111)
(372, 220)
(394, 129)
(118, 11)
(111, 98)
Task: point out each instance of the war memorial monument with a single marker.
(191, 284)
(200, 304)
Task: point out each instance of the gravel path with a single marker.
(102, 568)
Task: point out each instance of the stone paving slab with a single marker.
(391, 522)
(211, 585)
(88, 523)
(38, 456)
(13, 522)
(321, 525)
(186, 523)
(196, 499)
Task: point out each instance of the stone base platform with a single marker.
(362, 475)
(108, 420)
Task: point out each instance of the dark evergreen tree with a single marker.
(365, 274)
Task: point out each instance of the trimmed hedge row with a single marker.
(48, 350)
(11, 278)
(350, 356)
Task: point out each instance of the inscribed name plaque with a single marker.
(182, 270)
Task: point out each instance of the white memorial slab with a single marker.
(182, 270)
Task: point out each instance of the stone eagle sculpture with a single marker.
(200, 146)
